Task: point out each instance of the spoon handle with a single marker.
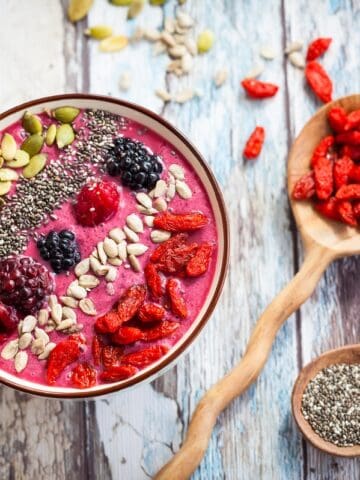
(218, 397)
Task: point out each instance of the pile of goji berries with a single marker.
(334, 181)
(140, 314)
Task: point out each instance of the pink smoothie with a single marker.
(195, 289)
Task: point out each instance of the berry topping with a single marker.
(130, 160)
(83, 376)
(24, 283)
(61, 249)
(8, 319)
(181, 222)
(65, 353)
(97, 202)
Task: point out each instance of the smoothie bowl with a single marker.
(113, 245)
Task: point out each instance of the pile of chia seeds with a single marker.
(331, 404)
(35, 199)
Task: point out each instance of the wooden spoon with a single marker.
(323, 241)
(349, 354)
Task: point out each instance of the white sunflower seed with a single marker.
(295, 46)
(173, 66)
(110, 247)
(117, 234)
(191, 46)
(52, 300)
(146, 211)
(160, 188)
(10, 350)
(19, 327)
(297, 59)
(131, 235)
(267, 52)
(122, 252)
(136, 249)
(160, 204)
(177, 171)
(170, 193)
(183, 189)
(69, 301)
(163, 94)
(169, 25)
(159, 236)
(38, 346)
(152, 35)
(43, 317)
(220, 77)
(87, 306)
(168, 39)
(69, 313)
(49, 347)
(29, 324)
(40, 333)
(65, 324)
(144, 199)
(149, 220)
(159, 47)
(135, 264)
(184, 19)
(111, 274)
(56, 311)
(74, 290)
(21, 361)
(95, 264)
(125, 81)
(89, 281)
(25, 340)
(94, 254)
(134, 222)
(177, 52)
(77, 327)
(49, 328)
(255, 71)
(116, 262)
(82, 267)
(110, 289)
(186, 62)
(184, 95)
(101, 253)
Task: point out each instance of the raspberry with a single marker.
(8, 318)
(182, 222)
(83, 376)
(200, 262)
(151, 312)
(177, 302)
(24, 283)
(97, 202)
(117, 373)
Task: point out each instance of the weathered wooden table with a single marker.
(129, 436)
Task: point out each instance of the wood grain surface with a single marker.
(130, 436)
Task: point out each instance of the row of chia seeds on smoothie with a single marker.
(36, 198)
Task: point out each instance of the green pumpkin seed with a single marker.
(99, 32)
(64, 135)
(66, 114)
(8, 147)
(205, 41)
(121, 3)
(6, 174)
(32, 123)
(78, 9)
(4, 187)
(135, 8)
(33, 144)
(50, 135)
(21, 159)
(36, 164)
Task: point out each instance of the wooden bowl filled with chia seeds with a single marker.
(326, 401)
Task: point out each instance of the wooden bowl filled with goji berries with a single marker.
(113, 245)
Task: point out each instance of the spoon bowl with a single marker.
(349, 354)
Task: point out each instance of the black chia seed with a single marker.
(36, 199)
(331, 404)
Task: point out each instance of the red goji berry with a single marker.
(317, 48)
(354, 175)
(126, 335)
(356, 210)
(181, 222)
(164, 329)
(328, 208)
(111, 355)
(153, 280)
(144, 357)
(96, 348)
(353, 120)
(352, 151)
(322, 149)
(117, 373)
(255, 143)
(177, 302)
(305, 187)
(65, 353)
(349, 192)
(108, 323)
(257, 89)
(346, 213)
(337, 119)
(199, 264)
(175, 261)
(83, 376)
(169, 245)
(352, 137)
(323, 175)
(151, 312)
(342, 170)
(319, 81)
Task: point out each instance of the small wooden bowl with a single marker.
(349, 354)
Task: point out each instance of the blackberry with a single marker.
(137, 168)
(61, 249)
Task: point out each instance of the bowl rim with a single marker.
(151, 373)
